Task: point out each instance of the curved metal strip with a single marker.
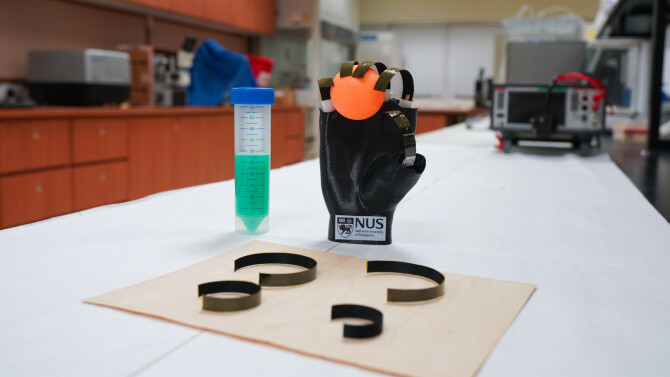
(363, 67)
(384, 82)
(410, 295)
(325, 82)
(347, 68)
(359, 311)
(229, 304)
(280, 280)
(324, 87)
(408, 140)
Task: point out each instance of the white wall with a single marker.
(332, 56)
(470, 47)
(389, 12)
(444, 59)
(340, 12)
(425, 53)
(382, 46)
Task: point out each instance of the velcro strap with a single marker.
(384, 82)
(347, 68)
(324, 87)
(363, 67)
(408, 140)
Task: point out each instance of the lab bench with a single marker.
(431, 119)
(573, 226)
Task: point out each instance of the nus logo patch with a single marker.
(360, 228)
(345, 226)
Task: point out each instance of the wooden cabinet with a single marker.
(256, 16)
(203, 150)
(173, 152)
(168, 153)
(150, 169)
(33, 144)
(55, 161)
(35, 196)
(294, 137)
(430, 122)
(96, 139)
(99, 184)
(52, 166)
(253, 15)
(188, 156)
(288, 138)
(435, 119)
(220, 147)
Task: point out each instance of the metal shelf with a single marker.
(644, 19)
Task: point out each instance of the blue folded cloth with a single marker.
(215, 71)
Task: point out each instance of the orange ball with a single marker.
(356, 98)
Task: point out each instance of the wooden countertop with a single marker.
(453, 110)
(68, 112)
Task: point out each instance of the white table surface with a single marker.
(597, 250)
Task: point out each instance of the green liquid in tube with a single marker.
(252, 189)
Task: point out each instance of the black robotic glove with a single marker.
(368, 166)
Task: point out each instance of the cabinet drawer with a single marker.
(35, 196)
(34, 144)
(288, 123)
(96, 139)
(295, 124)
(430, 122)
(100, 184)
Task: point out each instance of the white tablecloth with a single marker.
(597, 250)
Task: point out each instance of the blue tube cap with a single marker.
(252, 96)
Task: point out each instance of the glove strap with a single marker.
(384, 82)
(408, 140)
(347, 68)
(363, 67)
(324, 87)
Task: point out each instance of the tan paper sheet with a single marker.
(449, 336)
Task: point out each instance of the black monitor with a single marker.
(526, 105)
